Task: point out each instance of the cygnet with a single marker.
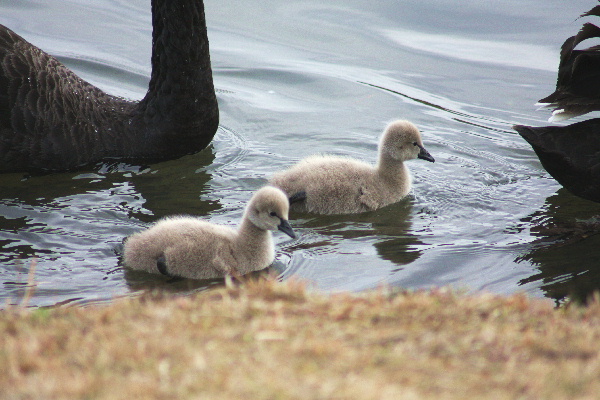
(326, 184)
(189, 247)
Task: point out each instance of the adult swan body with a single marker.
(51, 119)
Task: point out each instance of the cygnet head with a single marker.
(402, 141)
(268, 209)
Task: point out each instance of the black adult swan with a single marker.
(50, 119)
(578, 83)
(571, 154)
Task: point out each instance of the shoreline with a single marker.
(266, 340)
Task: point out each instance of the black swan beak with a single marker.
(424, 154)
(286, 228)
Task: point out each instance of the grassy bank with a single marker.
(267, 340)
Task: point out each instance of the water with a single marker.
(305, 77)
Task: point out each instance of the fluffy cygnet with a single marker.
(192, 248)
(339, 185)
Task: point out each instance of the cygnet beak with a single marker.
(424, 154)
(286, 228)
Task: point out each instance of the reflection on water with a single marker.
(137, 280)
(567, 249)
(294, 79)
(350, 242)
(390, 227)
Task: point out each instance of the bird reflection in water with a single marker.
(567, 249)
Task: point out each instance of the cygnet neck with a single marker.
(390, 168)
(248, 229)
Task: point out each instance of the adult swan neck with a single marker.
(181, 101)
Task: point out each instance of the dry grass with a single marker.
(267, 340)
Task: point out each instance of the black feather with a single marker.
(50, 119)
(571, 154)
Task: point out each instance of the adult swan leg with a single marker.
(51, 119)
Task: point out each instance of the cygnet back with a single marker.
(189, 247)
(339, 185)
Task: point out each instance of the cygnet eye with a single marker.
(273, 214)
(415, 143)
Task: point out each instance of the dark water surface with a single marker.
(297, 78)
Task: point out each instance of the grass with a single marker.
(269, 340)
